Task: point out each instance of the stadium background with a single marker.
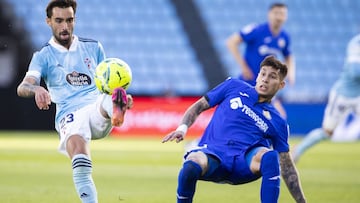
(176, 49)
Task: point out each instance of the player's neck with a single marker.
(68, 45)
(275, 30)
(263, 99)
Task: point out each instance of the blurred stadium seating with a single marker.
(319, 29)
(149, 36)
(146, 34)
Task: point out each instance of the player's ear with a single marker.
(48, 20)
(282, 84)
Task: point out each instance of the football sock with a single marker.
(270, 170)
(84, 184)
(187, 179)
(314, 137)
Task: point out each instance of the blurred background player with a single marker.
(344, 99)
(262, 40)
(348, 130)
(235, 147)
(67, 64)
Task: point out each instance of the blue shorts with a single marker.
(228, 168)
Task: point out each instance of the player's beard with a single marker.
(64, 42)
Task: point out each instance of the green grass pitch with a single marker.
(143, 170)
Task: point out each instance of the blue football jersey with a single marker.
(348, 83)
(68, 74)
(241, 122)
(261, 43)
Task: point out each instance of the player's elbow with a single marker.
(19, 91)
(23, 90)
(230, 43)
(233, 41)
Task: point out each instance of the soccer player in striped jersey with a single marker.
(344, 99)
(246, 138)
(67, 65)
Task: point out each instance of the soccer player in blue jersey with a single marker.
(67, 64)
(344, 98)
(262, 40)
(246, 138)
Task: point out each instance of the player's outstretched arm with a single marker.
(291, 177)
(29, 88)
(188, 119)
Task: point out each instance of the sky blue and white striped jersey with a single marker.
(68, 74)
(348, 83)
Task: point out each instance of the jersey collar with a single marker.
(60, 48)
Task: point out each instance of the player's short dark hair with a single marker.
(276, 64)
(277, 4)
(61, 4)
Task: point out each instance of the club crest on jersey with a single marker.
(87, 61)
(281, 43)
(78, 79)
(266, 114)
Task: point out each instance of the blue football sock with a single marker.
(270, 170)
(187, 179)
(314, 137)
(84, 184)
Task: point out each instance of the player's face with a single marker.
(278, 16)
(268, 82)
(62, 25)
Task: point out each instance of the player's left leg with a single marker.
(75, 136)
(270, 170)
(337, 108)
(314, 137)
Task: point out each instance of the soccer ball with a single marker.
(111, 74)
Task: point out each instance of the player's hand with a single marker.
(130, 102)
(175, 135)
(42, 98)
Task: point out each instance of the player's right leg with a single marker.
(120, 102)
(193, 167)
(114, 106)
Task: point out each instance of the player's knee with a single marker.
(199, 158)
(190, 171)
(76, 145)
(328, 132)
(270, 165)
